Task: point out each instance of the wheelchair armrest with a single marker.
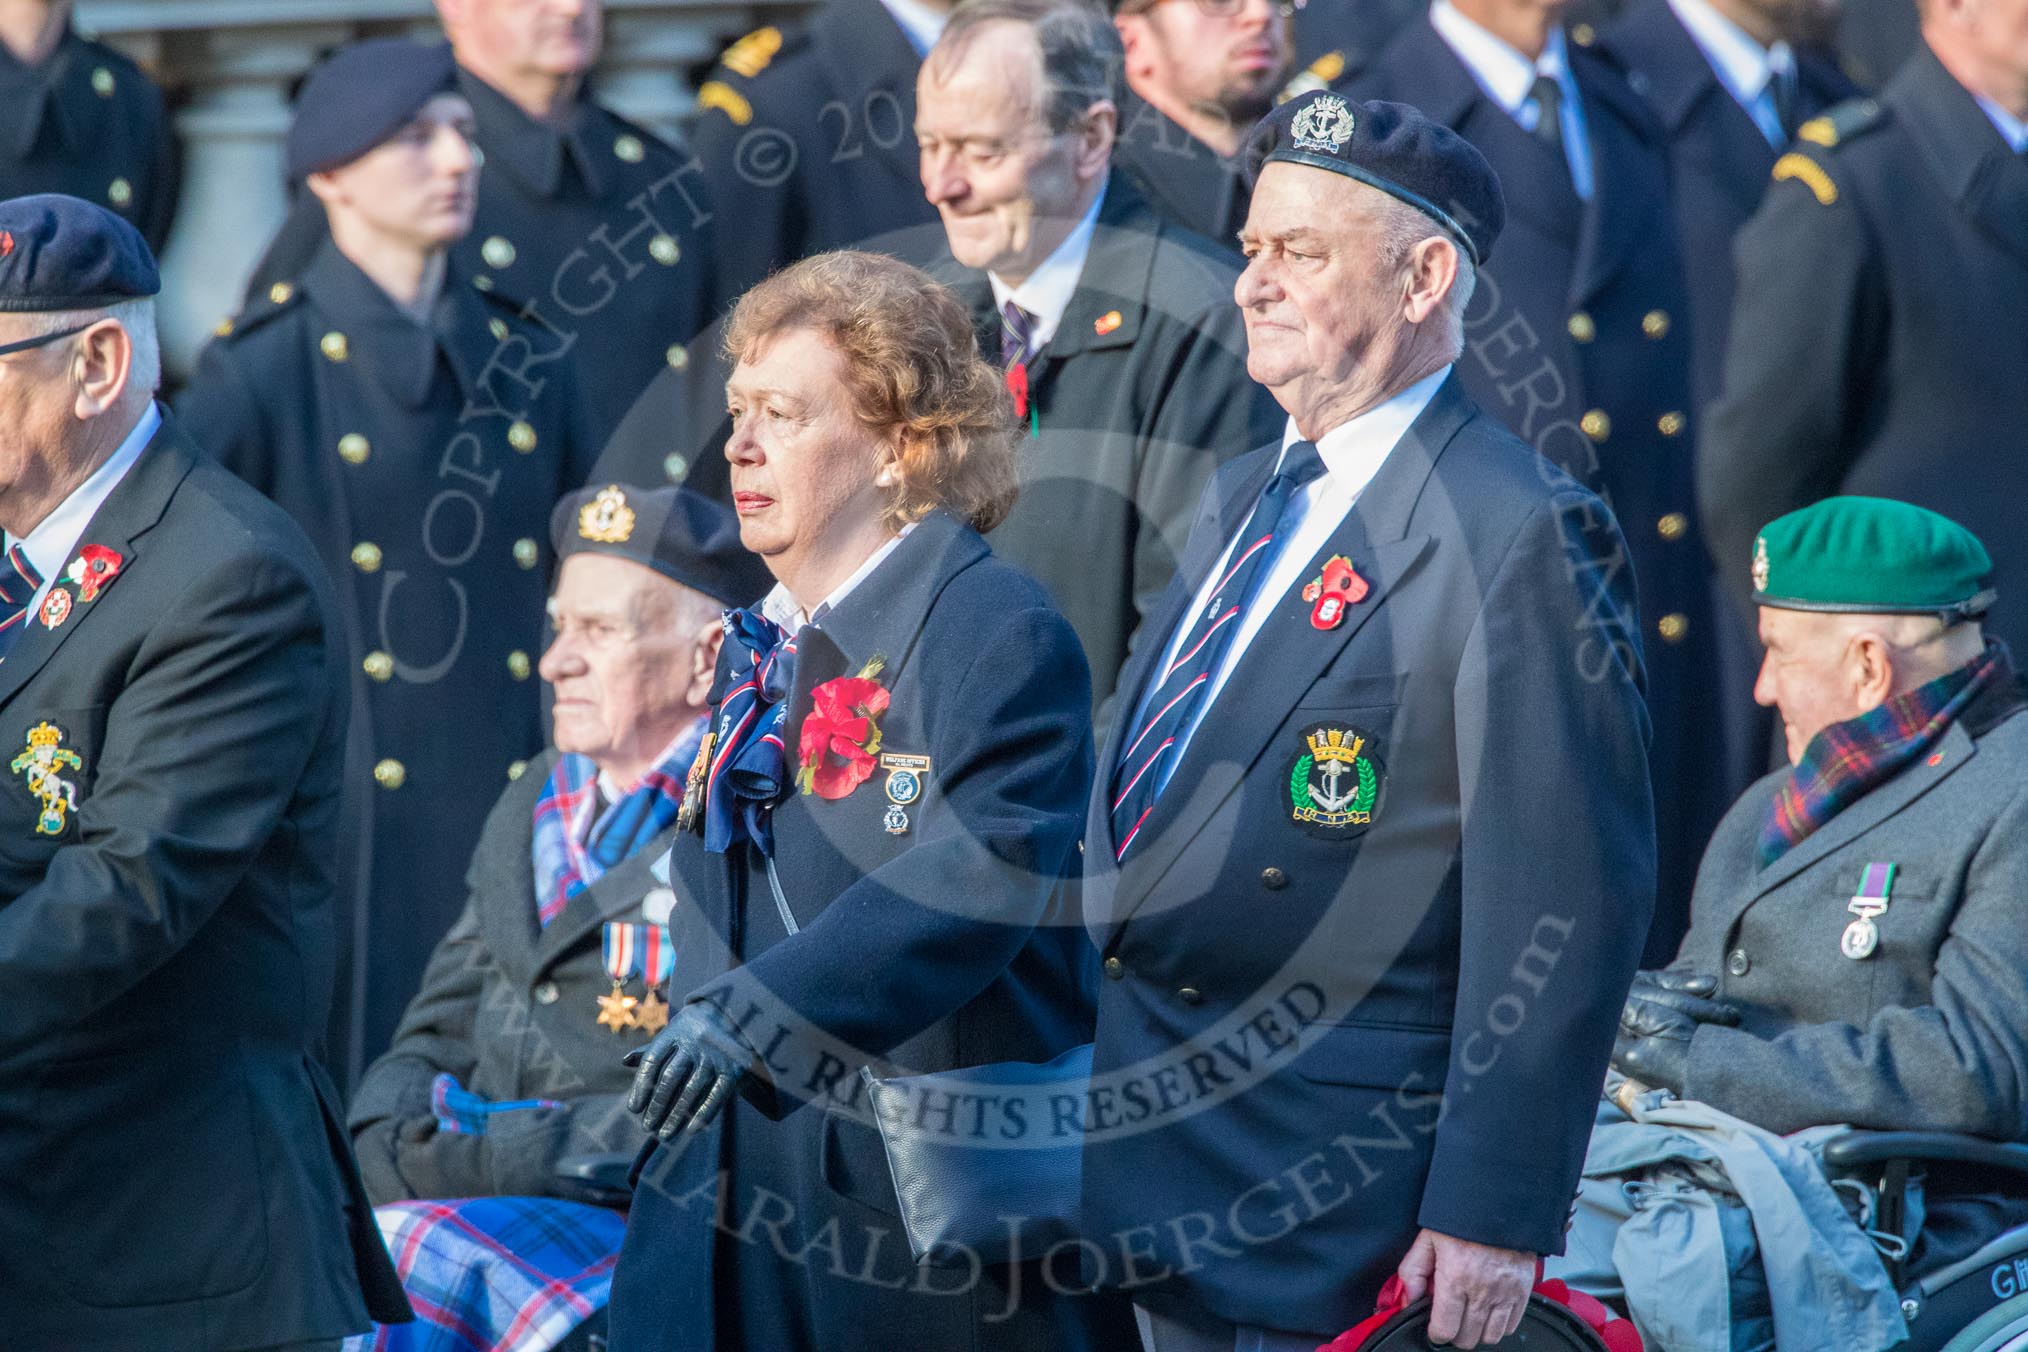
(603, 1171)
(1856, 1149)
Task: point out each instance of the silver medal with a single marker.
(1862, 936)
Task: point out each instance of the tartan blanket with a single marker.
(495, 1274)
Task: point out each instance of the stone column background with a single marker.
(229, 68)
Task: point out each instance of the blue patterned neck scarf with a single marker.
(570, 852)
(749, 761)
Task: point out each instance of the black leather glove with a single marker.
(689, 1071)
(1653, 1045)
(1687, 993)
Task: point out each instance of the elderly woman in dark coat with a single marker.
(890, 800)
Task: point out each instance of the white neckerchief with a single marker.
(779, 606)
(1746, 69)
(1508, 78)
(1353, 453)
(50, 545)
(1047, 291)
(921, 24)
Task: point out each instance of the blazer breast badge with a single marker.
(43, 762)
(1335, 781)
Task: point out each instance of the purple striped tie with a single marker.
(1176, 694)
(18, 583)
(1017, 334)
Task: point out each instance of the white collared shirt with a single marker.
(921, 24)
(1746, 69)
(1352, 453)
(1508, 78)
(55, 539)
(1047, 292)
(2011, 128)
(779, 606)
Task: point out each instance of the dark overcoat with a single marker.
(88, 122)
(949, 944)
(1578, 338)
(173, 1167)
(511, 1009)
(807, 139)
(1180, 176)
(1875, 358)
(1141, 393)
(423, 467)
(1316, 1037)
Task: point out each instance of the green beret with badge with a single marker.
(1872, 556)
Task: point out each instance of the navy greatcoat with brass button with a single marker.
(947, 943)
(86, 121)
(1578, 337)
(1321, 1033)
(424, 467)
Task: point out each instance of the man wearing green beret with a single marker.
(1857, 951)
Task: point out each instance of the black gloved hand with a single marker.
(1653, 1045)
(1688, 993)
(689, 1071)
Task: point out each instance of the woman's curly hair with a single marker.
(913, 370)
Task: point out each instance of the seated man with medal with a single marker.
(507, 1062)
(889, 804)
(1858, 955)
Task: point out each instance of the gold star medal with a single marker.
(616, 1011)
(652, 1014)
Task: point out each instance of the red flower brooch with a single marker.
(839, 744)
(92, 569)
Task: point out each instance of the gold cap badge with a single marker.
(606, 519)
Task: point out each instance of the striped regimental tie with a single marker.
(18, 584)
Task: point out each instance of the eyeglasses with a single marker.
(26, 344)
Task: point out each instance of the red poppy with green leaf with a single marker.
(839, 744)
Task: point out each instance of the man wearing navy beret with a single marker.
(173, 1172)
(420, 430)
(1373, 851)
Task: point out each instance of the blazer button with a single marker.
(1273, 879)
(390, 774)
(1190, 995)
(1115, 968)
(545, 994)
(1737, 963)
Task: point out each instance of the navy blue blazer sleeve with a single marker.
(914, 940)
(1558, 876)
(204, 749)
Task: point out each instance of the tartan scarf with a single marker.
(575, 843)
(1846, 760)
(750, 761)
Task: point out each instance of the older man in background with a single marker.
(1115, 327)
(173, 1172)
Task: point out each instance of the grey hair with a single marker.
(1082, 59)
(137, 317)
(1402, 227)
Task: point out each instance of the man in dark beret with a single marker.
(1372, 854)
(421, 432)
(508, 1061)
(78, 117)
(1857, 954)
(1580, 340)
(173, 1173)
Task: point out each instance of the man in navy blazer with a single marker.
(1373, 851)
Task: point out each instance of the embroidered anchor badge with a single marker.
(40, 761)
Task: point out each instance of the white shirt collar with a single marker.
(1505, 74)
(50, 545)
(781, 607)
(2012, 129)
(1353, 451)
(922, 24)
(1742, 65)
(1047, 291)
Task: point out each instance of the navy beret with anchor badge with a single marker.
(677, 532)
(1391, 147)
(64, 253)
(362, 96)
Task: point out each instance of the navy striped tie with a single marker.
(1176, 694)
(18, 584)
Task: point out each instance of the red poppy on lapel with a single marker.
(92, 569)
(839, 744)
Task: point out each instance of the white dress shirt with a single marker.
(1508, 78)
(921, 24)
(1746, 69)
(2011, 128)
(1352, 453)
(1047, 291)
(51, 544)
(781, 607)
